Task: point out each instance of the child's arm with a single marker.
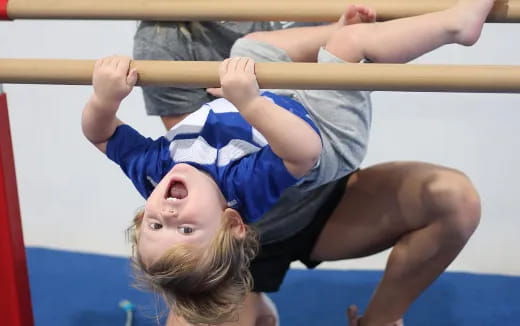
(113, 80)
(289, 136)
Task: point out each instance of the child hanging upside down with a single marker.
(245, 158)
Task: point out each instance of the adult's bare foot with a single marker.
(352, 316)
(355, 320)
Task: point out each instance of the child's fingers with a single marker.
(223, 67)
(249, 66)
(98, 63)
(117, 63)
(105, 62)
(242, 64)
(132, 77)
(122, 65)
(233, 64)
(108, 61)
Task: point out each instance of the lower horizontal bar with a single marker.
(275, 75)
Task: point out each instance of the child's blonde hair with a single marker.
(202, 285)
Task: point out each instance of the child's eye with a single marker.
(155, 226)
(185, 229)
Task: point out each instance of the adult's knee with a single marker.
(452, 198)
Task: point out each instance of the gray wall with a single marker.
(73, 198)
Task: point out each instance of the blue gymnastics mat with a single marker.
(77, 289)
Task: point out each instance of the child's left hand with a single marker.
(238, 81)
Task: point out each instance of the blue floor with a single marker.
(72, 289)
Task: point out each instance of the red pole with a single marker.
(3, 11)
(15, 298)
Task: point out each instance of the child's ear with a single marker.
(235, 222)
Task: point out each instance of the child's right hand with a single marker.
(113, 79)
(238, 81)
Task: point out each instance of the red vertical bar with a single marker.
(3, 11)
(15, 299)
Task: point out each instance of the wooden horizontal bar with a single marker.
(275, 75)
(235, 10)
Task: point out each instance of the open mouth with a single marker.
(176, 190)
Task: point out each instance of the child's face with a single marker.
(185, 207)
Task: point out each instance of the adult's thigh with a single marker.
(384, 202)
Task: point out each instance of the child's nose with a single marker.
(169, 212)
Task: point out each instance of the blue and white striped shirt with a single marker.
(219, 141)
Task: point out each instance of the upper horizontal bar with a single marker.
(235, 10)
(377, 77)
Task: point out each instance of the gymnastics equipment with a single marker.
(200, 10)
(15, 300)
(273, 75)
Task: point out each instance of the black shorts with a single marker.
(273, 260)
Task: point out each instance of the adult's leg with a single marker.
(401, 40)
(302, 43)
(426, 212)
(257, 310)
